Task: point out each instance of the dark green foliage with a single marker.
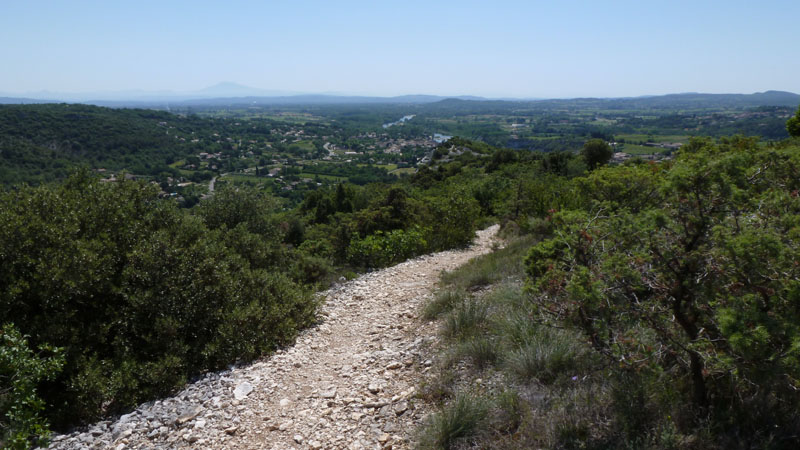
(230, 207)
(140, 295)
(660, 310)
(596, 152)
(42, 142)
(20, 372)
(793, 124)
(453, 217)
(501, 157)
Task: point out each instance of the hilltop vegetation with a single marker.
(42, 142)
(677, 273)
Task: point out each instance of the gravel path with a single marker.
(347, 383)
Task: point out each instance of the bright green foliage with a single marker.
(386, 248)
(453, 218)
(596, 152)
(633, 187)
(20, 406)
(793, 124)
(691, 270)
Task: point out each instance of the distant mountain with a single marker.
(314, 99)
(22, 101)
(233, 94)
(231, 89)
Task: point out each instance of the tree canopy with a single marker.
(596, 152)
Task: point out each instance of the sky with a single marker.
(523, 49)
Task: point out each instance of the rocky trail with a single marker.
(347, 383)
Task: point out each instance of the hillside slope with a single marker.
(41, 142)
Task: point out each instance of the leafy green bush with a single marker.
(311, 269)
(385, 248)
(793, 124)
(452, 219)
(20, 406)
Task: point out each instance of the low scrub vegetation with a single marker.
(660, 312)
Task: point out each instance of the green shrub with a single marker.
(310, 269)
(21, 424)
(453, 217)
(385, 248)
(140, 295)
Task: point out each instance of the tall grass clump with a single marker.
(465, 319)
(481, 351)
(546, 356)
(441, 303)
(463, 418)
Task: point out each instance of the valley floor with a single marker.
(347, 383)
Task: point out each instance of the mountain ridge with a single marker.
(227, 92)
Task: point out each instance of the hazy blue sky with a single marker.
(498, 48)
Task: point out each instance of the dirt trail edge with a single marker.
(347, 383)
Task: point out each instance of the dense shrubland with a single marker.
(139, 295)
(658, 310)
(659, 305)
